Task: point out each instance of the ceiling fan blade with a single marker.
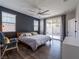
(43, 12)
(31, 10)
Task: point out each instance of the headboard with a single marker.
(19, 33)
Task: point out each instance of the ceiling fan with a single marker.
(43, 12)
(40, 12)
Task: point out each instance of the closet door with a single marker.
(71, 27)
(77, 29)
(77, 23)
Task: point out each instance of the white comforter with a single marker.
(34, 41)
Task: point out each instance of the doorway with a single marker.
(71, 28)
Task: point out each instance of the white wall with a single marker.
(69, 16)
(77, 18)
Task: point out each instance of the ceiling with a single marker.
(55, 7)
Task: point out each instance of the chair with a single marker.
(13, 44)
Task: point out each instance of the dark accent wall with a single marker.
(0, 20)
(24, 23)
(44, 26)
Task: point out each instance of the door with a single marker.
(71, 28)
(77, 29)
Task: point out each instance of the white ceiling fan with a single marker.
(40, 12)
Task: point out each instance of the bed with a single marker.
(34, 41)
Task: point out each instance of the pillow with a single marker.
(26, 34)
(34, 33)
(7, 40)
(23, 34)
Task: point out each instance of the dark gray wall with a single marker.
(0, 15)
(64, 26)
(24, 23)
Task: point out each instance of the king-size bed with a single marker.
(34, 41)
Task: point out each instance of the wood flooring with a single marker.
(51, 50)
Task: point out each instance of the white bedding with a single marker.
(34, 41)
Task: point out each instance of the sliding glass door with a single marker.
(49, 28)
(54, 27)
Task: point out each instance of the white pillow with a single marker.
(34, 33)
(26, 34)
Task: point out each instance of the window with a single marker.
(35, 25)
(54, 27)
(8, 22)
